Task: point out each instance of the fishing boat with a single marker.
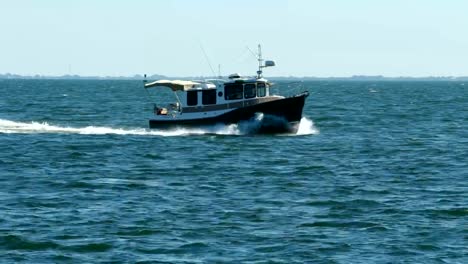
(233, 101)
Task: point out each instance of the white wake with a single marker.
(306, 127)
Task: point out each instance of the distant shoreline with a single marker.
(277, 78)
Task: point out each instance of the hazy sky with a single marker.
(304, 37)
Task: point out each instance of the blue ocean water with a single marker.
(378, 174)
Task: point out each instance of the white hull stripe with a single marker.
(244, 103)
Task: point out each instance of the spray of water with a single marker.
(306, 127)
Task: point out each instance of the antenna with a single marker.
(253, 53)
(207, 59)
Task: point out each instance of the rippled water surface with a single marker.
(379, 174)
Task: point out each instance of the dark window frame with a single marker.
(209, 97)
(261, 89)
(253, 90)
(191, 99)
(233, 91)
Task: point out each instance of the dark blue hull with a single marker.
(279, 116)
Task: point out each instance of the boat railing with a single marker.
(169, 109)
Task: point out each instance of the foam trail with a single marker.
(12, 127)
(306, 127)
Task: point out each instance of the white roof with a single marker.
(176, 85)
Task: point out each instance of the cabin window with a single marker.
(192, 98)
(209, 97)
(249, 91)
(261, 90)
(233, 91)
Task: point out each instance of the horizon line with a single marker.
(159, 76)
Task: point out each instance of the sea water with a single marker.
(377, 173)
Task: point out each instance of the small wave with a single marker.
(89, 247)
(16, 242)
(306, 127)
(341, 224)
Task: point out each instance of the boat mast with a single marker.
(260, 62)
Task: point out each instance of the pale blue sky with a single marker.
(304, 37)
